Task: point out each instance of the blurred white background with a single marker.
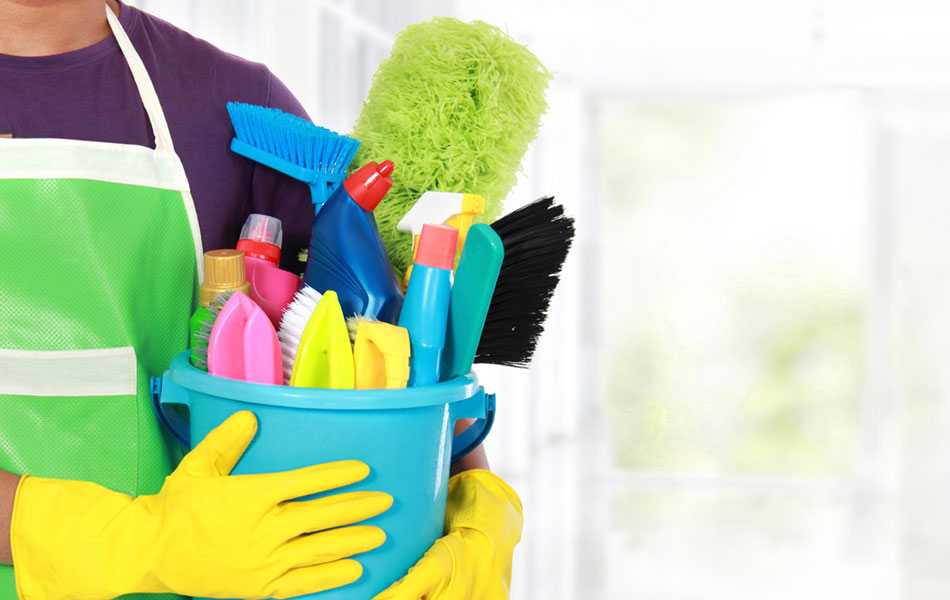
(741, 391)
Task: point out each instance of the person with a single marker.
(115, 174)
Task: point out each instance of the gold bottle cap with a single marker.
(224, 272)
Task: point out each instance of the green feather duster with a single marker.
(454, 107)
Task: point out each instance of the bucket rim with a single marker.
(184, 374)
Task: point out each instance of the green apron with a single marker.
(99, 249)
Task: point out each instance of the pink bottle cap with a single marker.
(437, 246)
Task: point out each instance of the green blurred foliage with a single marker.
(796, 365)
(736, 347)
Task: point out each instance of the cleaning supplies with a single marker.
(380, 355)
(294, 146)
(346, 253)
(324, 356)
(261, 239)
(353, 324)
(437, 207)
(202, 330)
(472, 293)
(405, 435)
(292, 325)
(426, 308)
(223, 272)
(271, 287)
(243, 344)
(455, 106)
(473, 206)
(537, 239)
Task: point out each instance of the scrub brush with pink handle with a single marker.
(243, 343)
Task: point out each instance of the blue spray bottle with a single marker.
(425, 312)
(346, 253)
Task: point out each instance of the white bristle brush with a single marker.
(292, 324)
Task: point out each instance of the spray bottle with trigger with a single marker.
(438, 207)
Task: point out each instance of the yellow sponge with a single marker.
(381, 355)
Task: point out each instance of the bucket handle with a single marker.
(164, 392)
(481, 407)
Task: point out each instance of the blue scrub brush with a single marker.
(294, 146)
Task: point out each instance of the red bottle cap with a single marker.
(437, 246)
(370, 183)
(262, 250)
(261, 237)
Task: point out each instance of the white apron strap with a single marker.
(156, 116)
(163, 138)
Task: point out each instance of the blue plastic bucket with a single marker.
(405, 436)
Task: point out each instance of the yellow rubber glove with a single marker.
(483, 522)
(207, 533)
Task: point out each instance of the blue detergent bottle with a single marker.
(346, 252)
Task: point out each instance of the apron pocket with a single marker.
(71, 414)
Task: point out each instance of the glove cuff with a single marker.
(478, 499)
(486, 478)
(77, 540)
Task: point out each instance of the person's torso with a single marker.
(89, 95)
(100, 253)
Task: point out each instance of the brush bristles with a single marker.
(537, 239)
(296, 140)
(292, 324)
(353, 325)
(199, 341)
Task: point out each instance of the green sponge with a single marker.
(454, 107)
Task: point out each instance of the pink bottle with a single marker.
(272, 288)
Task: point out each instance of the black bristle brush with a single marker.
(537, 238)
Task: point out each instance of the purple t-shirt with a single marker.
(89, 94)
